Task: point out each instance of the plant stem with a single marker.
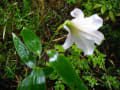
(58, 29)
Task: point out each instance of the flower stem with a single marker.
(58, 29)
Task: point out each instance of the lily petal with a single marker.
(84, 44)
(93, 22)
(77, 13)
(68, 42)
(99, 37)
(89, 24)
(96, 36)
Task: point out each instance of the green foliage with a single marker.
(83, 66)
(111, 80)
(71, 1)
(98, 60)
(92, 81)
(10, 70)
(32, 41)
(107, 8)
(1, 58)
(64, 68)
(43, 17)
(58, 62)
(59, 84)
(59, 48)
(23, 52)
(35, 81)
(48, 71)
(37, 78)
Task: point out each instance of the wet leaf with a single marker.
(35, 81)
(32, 41)
(23, 52)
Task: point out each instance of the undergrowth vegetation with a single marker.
(22, 60)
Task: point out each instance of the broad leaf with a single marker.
(47, 70)
(23, 52)
(64, 68)
(35, 81)
(32, 41)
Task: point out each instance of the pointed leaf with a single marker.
(103, 9)
(32, 41)
(112, 17)
(65, 70)
(97, 6)
(23, 52)
(35, 81)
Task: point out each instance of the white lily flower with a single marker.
(83, 31)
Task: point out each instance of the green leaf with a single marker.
(64, 68)
(97, 6)
(103, 9)
(23, 52)
(71, 1)
(47, 70)
(26, 3)
(32, 41)
(88, 5)
(10, 70)
(59, 48)
(112, 17)
(35, 81)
